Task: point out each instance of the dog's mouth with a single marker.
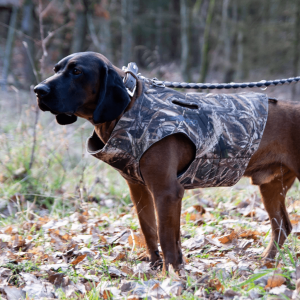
(44, 107)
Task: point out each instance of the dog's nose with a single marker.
(41, 90)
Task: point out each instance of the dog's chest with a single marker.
(225, 128)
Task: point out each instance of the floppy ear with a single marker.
(64, 119)
(113, 97)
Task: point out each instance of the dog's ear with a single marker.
(113, 97)
(64, 119)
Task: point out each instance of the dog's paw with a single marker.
(157, 265)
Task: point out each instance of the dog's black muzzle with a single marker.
(43, 95)
(41, 90)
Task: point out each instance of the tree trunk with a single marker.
(158, 31)
(232, 46)
(240, 55)
(185, 51)
(240, 74)
(27, 29)
(93, 33)
(205, 47)
(197, 25)
(126, 24)
(9, 45)
(296, 46)
(105, 37)
(65, 36)
(226, 38)
(79, 32)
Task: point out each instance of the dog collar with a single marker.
(130, 78)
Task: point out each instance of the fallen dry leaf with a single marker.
(215, 283)
(18, 241)
(58, 279)
(127, 270)
(78, 259)
(57, 241)
(250, 234)
(208, 216)
(119, 256)
(107, 294)
(82, 219)
(194, 217)
(66, 237)
(36, 250)
(133, 297)
(227, 238)
(138, 240)
(102, 239)
(199, 209)
(275, 280)
(251, 213)
(8, 230)
(269, 264)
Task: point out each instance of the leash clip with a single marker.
(130, 78)
(157, 82)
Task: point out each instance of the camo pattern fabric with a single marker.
(225, 128)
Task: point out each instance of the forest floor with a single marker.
(68, 229)
(96, 252)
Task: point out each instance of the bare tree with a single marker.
(80, 27)
(27, 28)
(205, 46)
(296, 45)
(126, 22)
(185, 49)
(9, 45)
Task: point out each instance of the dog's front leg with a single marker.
(143, 202)
(168, 198)
(159, 167)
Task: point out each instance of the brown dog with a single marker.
(82, 79)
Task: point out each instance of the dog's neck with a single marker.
(104, 130)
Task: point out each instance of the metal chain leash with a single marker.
(211, 86)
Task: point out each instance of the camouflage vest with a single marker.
(225, 128)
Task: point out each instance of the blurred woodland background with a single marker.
(199, 40)
(192, 40)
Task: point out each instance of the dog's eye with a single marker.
(76, 71)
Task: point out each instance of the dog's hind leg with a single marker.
(273, 196)
(143, 202)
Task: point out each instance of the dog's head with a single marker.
(85, 84)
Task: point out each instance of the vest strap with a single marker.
(130, 78)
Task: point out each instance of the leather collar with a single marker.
(130, 79)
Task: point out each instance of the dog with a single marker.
(87, 85)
